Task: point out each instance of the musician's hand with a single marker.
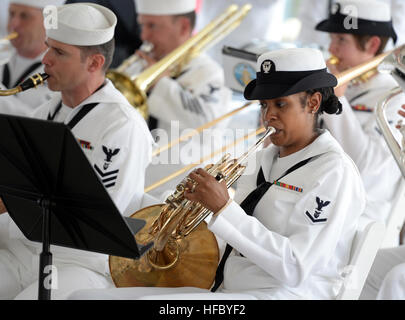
(145, 56)
(212, 194)
(2, 207)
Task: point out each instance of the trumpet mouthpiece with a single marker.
(333, 60)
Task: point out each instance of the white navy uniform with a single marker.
(116, 140)
(285, 250)
(196, 96)
(26, 102)
(357, 131)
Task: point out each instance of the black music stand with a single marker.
(54, 196)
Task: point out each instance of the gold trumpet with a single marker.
(185, 252)
(135, 87)
(32, 82)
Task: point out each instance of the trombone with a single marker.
(135, 87)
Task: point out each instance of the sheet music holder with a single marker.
(54, 196)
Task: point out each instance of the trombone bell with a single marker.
(135, 96)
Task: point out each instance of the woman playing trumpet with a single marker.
(292, 234)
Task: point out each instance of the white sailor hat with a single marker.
(287, 71)
(372, 17)
(164, 7)
(38, 3)
(83, 24)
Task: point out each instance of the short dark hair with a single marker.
(361, 41)
(190, 16)
(105, 49)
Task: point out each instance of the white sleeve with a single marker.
(191, 102)
(309, 246)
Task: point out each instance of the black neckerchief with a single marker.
(78, 116)
(248, 205)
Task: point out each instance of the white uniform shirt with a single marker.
(26, 102)
(361, 138)
(197, 96)
(115, 125)
(288, 250)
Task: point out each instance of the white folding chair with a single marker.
(364, 248)
(396, 219)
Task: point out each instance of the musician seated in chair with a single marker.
(293, 220)
(182, 101)
(113, 135)
(359, 30)
(25, 18)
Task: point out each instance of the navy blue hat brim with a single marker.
(365, 27)
(264, 91)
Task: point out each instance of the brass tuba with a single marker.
(185, 252)
(135, 86)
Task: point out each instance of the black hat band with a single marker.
(285, 77)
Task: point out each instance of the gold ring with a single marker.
(193, 188)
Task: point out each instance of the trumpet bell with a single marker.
(135, 96)
(199, 259)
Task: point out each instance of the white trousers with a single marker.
(19, 281)
(19, 265)
(386, 279)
